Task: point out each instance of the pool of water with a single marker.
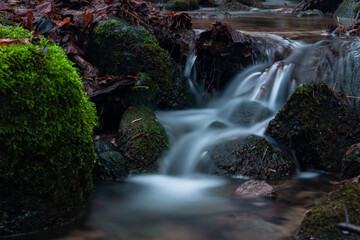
(200, 208)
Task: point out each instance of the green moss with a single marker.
(182, 5)
(142, 139)
(46, 124)
(14, 32)
(321, 222)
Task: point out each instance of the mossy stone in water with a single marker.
(46, 123)
(249, 156)
(321, 221)
(318, 125)
(142, 139)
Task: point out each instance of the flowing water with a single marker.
(179, 203)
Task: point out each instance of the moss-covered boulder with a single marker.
(182, 5)
(321, 222)
(318, 125)
(249, 156)
(117, 48)
(46, 124)
(350, 166)
(142, 139)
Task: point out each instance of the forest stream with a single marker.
(179, 203)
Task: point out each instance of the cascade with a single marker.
(268, 84)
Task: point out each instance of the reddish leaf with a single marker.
(44, 8)
(88, 19)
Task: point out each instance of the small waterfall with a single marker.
(261, 88)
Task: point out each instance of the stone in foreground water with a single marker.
(254, 189)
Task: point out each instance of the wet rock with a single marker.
(325, 6)
(217, 125)
(141, 139)
(233, 6)
(110, 166)
(206, 3)
(102, 145)
(347, 9)
(254, 189)
(321, 221)
(222, 52)
(311, 13)
(251, 3)
(351, 162)
(317, 125)
(247, 113)
(249, 156)
(182, 5)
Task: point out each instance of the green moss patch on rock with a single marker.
(249, 156)
(46, 125)
(118, 48)
(182, 5)
(321, 221)
(318, 125)
(142, 139)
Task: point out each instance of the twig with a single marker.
(303, 1)
(349, 226)
(265, 153)
(346, 214)
(352, 97)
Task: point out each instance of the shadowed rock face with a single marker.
(223, 52)
(318, 125)
(249, 156)
(323, 5)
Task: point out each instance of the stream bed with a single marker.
(181, 204)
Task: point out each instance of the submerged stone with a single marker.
(318, 125)
(249, 156)
(142, 139)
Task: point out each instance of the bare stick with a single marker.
(349, 226)
(303, 1)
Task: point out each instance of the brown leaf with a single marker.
(44, 8)
(10, 42)
(88, 19)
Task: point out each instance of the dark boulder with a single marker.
(182, 5)
(318, 125)
(222, 52)
(351, 162)
(141, 139)
(158, 84)
(249, 156)
(110, 165)
(325, 6)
